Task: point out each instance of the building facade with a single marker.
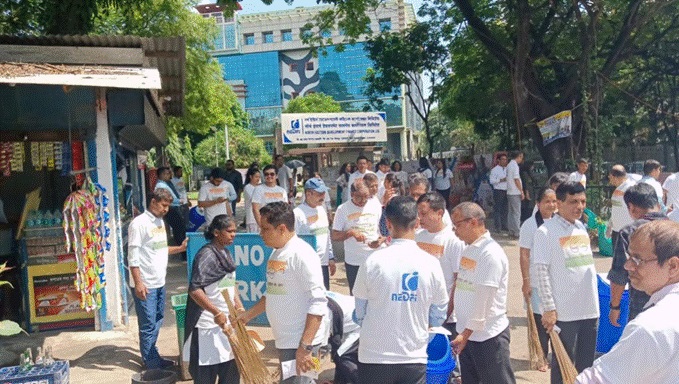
(265, 61)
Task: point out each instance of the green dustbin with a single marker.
(179, 307)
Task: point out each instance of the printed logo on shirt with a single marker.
(158, 245)
(618, 192)
(157, 231)
(577, 251)
(228, 281)
(312, 219)
(467, 263)
(354, 216)
(409, 284)
(273, 195)
(435, 250)
(217, 191)
(273, 268)
(320, 231)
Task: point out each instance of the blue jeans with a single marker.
(150, 319)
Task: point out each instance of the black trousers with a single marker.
(352, 271)
(392, 373)
(579, 339)
(326, 276)
(446, 196)
(175, 220)
(226, 372)
(487, 362)
(543, 336)
(500, 209)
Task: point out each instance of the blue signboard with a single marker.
(251, 256)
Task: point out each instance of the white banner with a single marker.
(343, 127)
(555, 127)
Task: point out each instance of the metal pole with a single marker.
(226, 140)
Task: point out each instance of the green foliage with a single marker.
(315, 102)
(179, 153)
(244, 148)
(7, 327)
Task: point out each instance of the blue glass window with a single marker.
(286, 35)
(267, 37)
(385, 25)
(305, 33)
(249, 39)
(326, 33)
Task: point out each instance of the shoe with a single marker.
(165, 363)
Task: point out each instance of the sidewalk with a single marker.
(113, 357)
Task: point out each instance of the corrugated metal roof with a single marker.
(83, 75)
(168, 54)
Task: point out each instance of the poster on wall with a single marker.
(324, 128)
(555, 127)
(53, 296)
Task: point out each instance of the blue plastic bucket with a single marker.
(196, 219)
(440, 361)
(607, 334)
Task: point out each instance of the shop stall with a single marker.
(76, 112)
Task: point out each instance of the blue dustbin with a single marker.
(440, 361)
(607, 334)
(196, 219)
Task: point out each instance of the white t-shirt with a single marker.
(655, 184)
(347, 304)
(380, 177)
(513, 173)
(447, 248)
(284, 175)
(264, 195)
(294, 288)
(671, 186)
(496, 174)
(210, 192)
(147, 249)
(619, 213)
(579, 178)
(526, 235)
(354, 176)
(314, 221)
(214, 294)
(565, 249)
(365, 219)
(483, 263)
(427, 173)
(180, 186)
(400, 283)
(248, 190)
(442, 179)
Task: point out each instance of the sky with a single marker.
(257, 6)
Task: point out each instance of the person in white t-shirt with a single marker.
(147, 254)
(357, 224)
(285, 177)
(400, 293)
(648, 348)
(311, 218)
(515, 194)
(439, 241)
(361, 170)
(442, 180)
(580, 176)
(652, 169)
(546, 203)
(255, 178)
(295, 300)
(620, 216)
(382, 170)
(671, 191)
(397, 169)
(498, 179)
(566, 278)
(215, 196)
(418, 187)
(481, 301)
(206, 345)
(267, 193)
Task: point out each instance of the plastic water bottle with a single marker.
(56, 218)
(47, 219)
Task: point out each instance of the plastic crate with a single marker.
(607, 334)
(56, 373)
(440, 361)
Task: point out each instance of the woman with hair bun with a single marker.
(206, 345)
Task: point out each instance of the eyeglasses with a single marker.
(269, 173)
(638, 261)
(456, 223)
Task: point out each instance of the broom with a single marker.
(568, 371)
(250, 364)
(537, 357)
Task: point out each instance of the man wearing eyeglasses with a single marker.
(642, 204)
(653, 267)
(266, 193)
(566, 278)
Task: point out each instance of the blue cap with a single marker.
(316, 184)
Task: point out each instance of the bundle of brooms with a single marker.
(537, 358)
(250, 364)
(568, 371)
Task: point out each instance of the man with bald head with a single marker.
(620, 217)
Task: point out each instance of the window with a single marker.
(342, 31)
(249, 38)
(326, 33)
(286, 35)
(267, 37)
(293, 67)
(309, 65)
(305, 33)
(385, 25)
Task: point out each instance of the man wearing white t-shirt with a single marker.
(382, 171)
(566, 278)
(294, 301)
(361, 169)
(652, 169)
(620, 217)
(311, 218)
(647, 350)
(515, 194)
(580, 176)
(671, 191)
(400, 292)
(439, 241)
(498, 179)
(267, 193)
(357, 224)
(481, 301)
(284, 175)
(147, 255)
(215, 196)
(419, 185)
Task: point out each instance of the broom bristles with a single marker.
(537, 357)
(250, 364)
(568, 371)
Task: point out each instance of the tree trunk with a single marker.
(430, 140)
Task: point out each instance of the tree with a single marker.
(314, 102)
(211, 151)
(402, 58)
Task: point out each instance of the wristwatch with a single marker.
(306, 347)
(614, 307)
